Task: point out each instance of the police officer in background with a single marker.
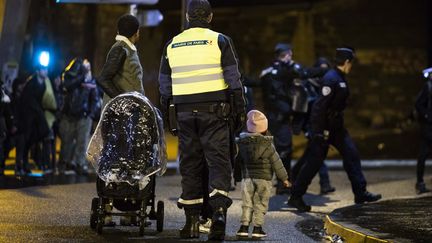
(423, 107)
(313, 87)
(199, 72)
(276, 81)
(4, 102)
(327, 128)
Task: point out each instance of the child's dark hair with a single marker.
(127, 25)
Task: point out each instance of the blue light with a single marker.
(44, 58)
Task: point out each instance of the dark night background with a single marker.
(392, 39)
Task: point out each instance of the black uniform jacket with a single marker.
(327, 112)
(423, 103)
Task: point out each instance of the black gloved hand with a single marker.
(239, 110)
(239, 101)
(164, 103)
(320, 136)
(239, 122)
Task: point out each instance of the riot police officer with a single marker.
(423, 107)
(199, 72)
(276, 81)
(327, 128)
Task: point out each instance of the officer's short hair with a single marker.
(344, 53)
(282, 48)
(127, 25)
(199, 10)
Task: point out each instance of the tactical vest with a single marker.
(195, 60)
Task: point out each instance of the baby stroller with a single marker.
(127, 151)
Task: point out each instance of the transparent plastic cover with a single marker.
(128, 144)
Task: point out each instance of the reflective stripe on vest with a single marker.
(195, 60)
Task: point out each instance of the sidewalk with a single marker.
(397, 220)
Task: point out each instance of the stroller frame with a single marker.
(101, 204)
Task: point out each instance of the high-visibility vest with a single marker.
(195, 60)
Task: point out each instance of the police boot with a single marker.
(421, 188)
(327, 188)
(217, 229)
(298, 203)
(191, 227)
(366, 197)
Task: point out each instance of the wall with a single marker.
(391, 39)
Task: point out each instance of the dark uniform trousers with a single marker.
(324, 178)
(281, 131)
(425, 149)
(204, 135)
(318, 148)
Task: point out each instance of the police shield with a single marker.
(299, 97)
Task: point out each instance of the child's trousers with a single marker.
(255, 197)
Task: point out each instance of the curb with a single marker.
(347, 234)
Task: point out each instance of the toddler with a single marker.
(258, 161)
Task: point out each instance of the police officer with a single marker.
(313, 87)
(423, 106)
(276, 82)
(199, 70)
(327, 127)
(4, 102)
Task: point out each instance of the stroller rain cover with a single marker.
(128, 144)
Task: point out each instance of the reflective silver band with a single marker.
(196, 79)
(344, 49)
(190, 202)
(190, 68)
(216, 191)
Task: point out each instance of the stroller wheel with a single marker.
(100, 216)
(93, 214)
(99, 225)
(142, 226)
(160, 216)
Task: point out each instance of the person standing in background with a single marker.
(122, 71)
(423, 107)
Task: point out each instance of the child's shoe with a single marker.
(258, 232)
(243, 231)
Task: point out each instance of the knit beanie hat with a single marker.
(256, 122)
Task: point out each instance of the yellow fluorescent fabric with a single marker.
(195, 60)
(208, 86)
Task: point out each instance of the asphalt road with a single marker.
(60, 213)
